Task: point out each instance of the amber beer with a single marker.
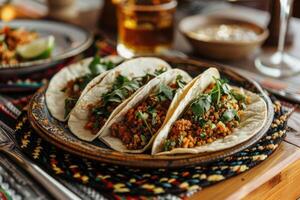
(145, 27)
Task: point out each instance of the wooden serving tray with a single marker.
(58, 133)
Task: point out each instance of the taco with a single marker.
(66, 87)
(97, 107)
(212, 116)
(132, 129)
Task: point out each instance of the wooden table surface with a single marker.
(278, 177)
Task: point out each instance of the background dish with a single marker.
(217, 49)
(70, 40)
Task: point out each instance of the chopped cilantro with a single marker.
(98, 111)
(238, 96)
(96, 124)
(98, 66)
(228, 115)
(201, 105)
(203, 135)
(144, 117)
(84, 81)
(216, 93)
(212, 126)
(159, 71)
(153, 113)
(180, 82)
(69, 105)
(121, 89)
(169, 144)
(144, 139)
(201, 122)
(166, 90)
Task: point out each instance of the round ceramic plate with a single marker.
(70, 40)
(58, 133)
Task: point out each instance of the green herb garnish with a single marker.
(84, 81)
(144, 117)
(169, 144)
(153, 113)
(229, 115)
(166, 90)
(238, 96)
(69, 105)
(149, 76)
(98, 66)
(144, 139)
(203, 135)
(216, 93)
(159, 71)
(200, 106)
(121, 89)
(180, 82)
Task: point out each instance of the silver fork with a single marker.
(10, 107)
(8, 146)
(59, 191)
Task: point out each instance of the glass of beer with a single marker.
(145, 27)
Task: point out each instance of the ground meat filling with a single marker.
(121, 90)
(74, 88)
(141, 123)
(144, 120)
(211, 116)
(98, 116)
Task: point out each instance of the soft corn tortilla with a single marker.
(150, 88)
(132, 68)
(253, 119)
(55, 97)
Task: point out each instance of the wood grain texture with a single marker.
(282, 186)
(277, 177)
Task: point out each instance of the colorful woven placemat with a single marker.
(116, 180)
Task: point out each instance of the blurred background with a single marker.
(88, 13)
(99, 16)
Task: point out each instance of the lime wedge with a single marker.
(38, 49)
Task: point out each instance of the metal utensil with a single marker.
(83, 191)
(294, 97)
(290, 92)
(59, 191)
(10, 107)
(7, 145)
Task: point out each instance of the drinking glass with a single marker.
(280, 64)
(145, 26)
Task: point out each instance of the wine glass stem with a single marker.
(285, 10)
